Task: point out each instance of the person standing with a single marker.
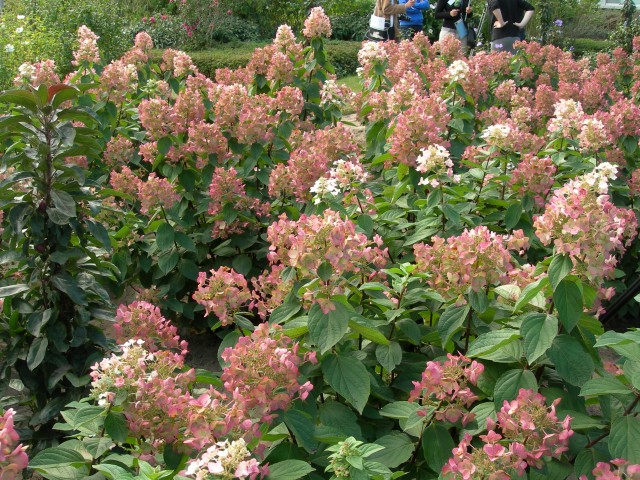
(389, 10)
(510, 17)
(450, 12)
(413, 21)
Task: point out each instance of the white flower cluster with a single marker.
(433, 158)
(497, 135)
(334, 94)
(224, 460)
(370, 52)
(343, 176)
(599, 177)
(458, 70)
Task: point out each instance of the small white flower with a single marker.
(9, 48)
(26, 42)
(20, 17)
(19, 30)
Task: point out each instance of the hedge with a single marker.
(588, 46)
(343, 55)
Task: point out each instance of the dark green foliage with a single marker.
(53, 250)
(166, 30)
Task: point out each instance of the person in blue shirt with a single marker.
(412, 22)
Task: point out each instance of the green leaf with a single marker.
(389, 356)
(284, 312)
(560, 267)
(56, 456)
(603, 386)
(571, 360)
(538, 331)
(512, 215)
(479, 301)
(348, 376)
(529, 292)
(398, 448)
(116, 426)
(64, 203)
(325, 270)
(114, 472)
(587, 460)
(356, 324)
(451, 321)
(625, 438)
(489, 342)
(37, 320)
(37, 351)
(289, 470)
(510, 383)
(9, 290)
(168, 260)
(242, 264)
(69, 285)
(173, 457)
(24, 98)
(165, 236)
(568, 300)
(325, 330)
(365, 222)
(399, 410)
(164, 145)
(302, 426)
(99, 233)
(437, 445)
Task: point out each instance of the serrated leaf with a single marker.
(538, 331)
(571, 360)
(568, 301)
(9, 290)
(451, 321)
(604, 386)
(389, 356)
(491, 341)
(347, 376)
(510, 383)
(289, 470)
(325, 330)
(560, 267)
(625, 438)
(165, 236)
(398, 448)
(437, 446)
(356, 324)
(116, 426)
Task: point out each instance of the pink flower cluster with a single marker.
(224, 293)
(419, 127)
(118, 152)
(475, 259)
(533, 176)
(227, 188)
(156, 192)
(445, 387)
(87, 47)
(581, 221)
(13, 459)
(529, 432)
(317, 24)
(262, 372)
(117, 80)
(618, 469)
(312, 240)
(178, 62)
(36, 74)
(310, 160)
(144, 321)
(269, 290)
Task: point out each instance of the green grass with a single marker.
(352, 81)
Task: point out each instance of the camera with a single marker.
(403, 17)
